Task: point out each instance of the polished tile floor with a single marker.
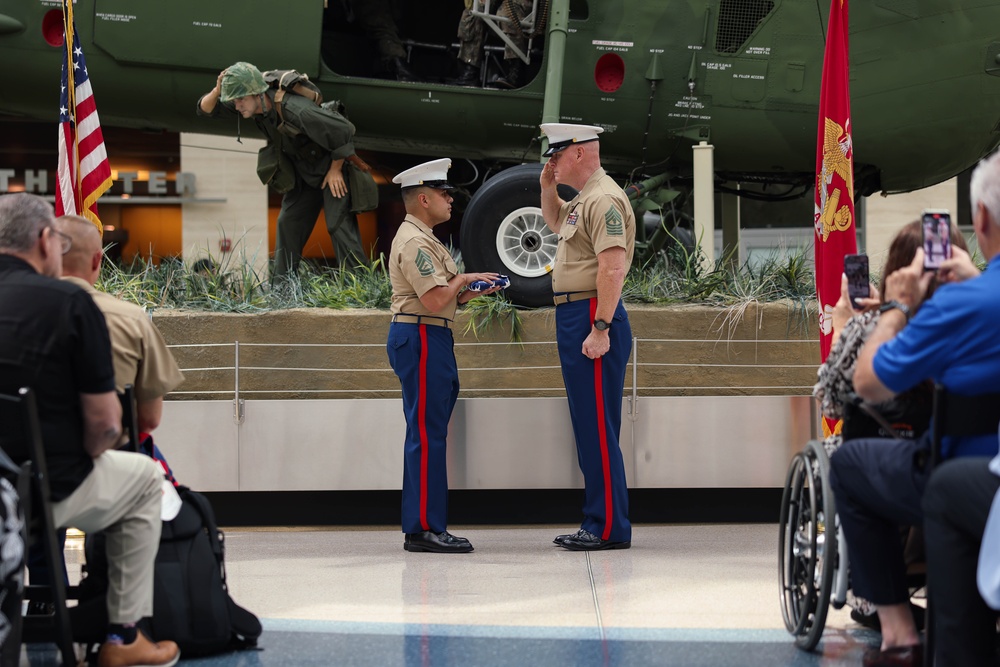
(682, 595)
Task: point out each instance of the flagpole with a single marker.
(69, 29)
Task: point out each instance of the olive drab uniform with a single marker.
(375, 18)
(598, 218)
(472, 32)
(421, 351)
(311, 137)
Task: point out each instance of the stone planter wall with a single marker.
(767, 349)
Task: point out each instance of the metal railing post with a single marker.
(633, 400)
(239, 412)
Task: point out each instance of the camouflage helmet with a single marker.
(240, 80)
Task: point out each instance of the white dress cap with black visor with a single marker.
(564, 135)
(433, 174)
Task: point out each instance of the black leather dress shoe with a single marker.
(587, 541)
(559, 539)
(899, 656)
(40, 608)
(439, 543)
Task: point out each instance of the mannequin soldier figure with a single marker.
(307, 146)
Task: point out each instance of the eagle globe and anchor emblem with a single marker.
(830, 216)
(838, 158)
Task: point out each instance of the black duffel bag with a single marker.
(191, 602)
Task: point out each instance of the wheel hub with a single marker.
(531, 241)
(525, 244)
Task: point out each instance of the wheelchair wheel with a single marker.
(807, 548)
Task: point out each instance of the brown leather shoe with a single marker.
(140, 653)
(898, 656)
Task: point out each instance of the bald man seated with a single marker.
(140, 355)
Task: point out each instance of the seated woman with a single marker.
(906, 416)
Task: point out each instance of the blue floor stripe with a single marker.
(298, 643)
(712, 635)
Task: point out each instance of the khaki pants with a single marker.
(121, 496)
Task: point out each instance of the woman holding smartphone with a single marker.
(854, 319)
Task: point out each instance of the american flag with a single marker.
(84, 173)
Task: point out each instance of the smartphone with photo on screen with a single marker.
(856, 270)
(936, 228)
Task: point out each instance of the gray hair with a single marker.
(22, 219)
(985, 186)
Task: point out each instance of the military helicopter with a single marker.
(658, 75)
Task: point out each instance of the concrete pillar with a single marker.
(224, 169)
(885, 215)
(704, 202)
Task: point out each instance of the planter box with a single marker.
(681, 350)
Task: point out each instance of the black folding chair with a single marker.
(22, 439)
(957, 416)
(130, 418)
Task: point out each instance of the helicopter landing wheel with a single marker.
(503, 230)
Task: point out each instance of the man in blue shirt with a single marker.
(952, 340)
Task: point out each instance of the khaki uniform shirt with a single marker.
(598, 218)
(419, 262)
(139, 353)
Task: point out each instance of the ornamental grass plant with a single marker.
(234, 285)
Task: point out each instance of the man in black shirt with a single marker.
(53, 339)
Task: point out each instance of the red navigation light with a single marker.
(52, 28)
(609, 72)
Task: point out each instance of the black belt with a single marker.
(432, 320)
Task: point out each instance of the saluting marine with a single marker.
(426, 291)
(596, 241)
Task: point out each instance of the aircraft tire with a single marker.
(503, 231)
(685, 237)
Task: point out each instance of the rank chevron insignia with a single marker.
(424, 264)
(613, 220)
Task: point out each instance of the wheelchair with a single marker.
(813, 567)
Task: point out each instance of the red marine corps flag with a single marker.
(834, 213)
(84, 173)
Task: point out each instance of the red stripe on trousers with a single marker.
(422, 420)
(602, 434)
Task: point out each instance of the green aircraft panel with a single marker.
(658, 75)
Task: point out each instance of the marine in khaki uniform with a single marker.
(314, 143)
(426, 291)
(138, 351)
(596, 241)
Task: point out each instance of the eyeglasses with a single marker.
(65, 240)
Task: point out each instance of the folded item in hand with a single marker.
(480, 285)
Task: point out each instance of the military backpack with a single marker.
(291, 81)
(272, 164)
